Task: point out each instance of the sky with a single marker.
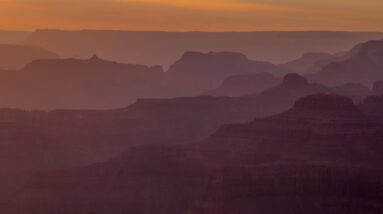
(193, 15)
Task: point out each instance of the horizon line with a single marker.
(191, 31)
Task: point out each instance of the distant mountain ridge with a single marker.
(197, 71)
(305, 63)
(161, 48)
(17, 56)
(363, 64)
(13, 37)
(78, 84)
(95, 63)
(95, 83)
(243, 84)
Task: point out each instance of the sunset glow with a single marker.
(190, 15)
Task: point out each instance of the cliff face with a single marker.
(322, 155)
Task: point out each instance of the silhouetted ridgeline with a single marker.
(161, 48)
(65, 138)
(306, 62)
(78, 84)
(363, 64)
(266, 141)
(17, 56)
(318, 128)
(99, 84)
(196, 71)
(247, 84)
(323, 154)
(240, 85)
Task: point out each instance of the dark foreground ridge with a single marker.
(312, 158)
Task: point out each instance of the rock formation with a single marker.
(79, 84)
(363, 65)
(210, 69)
(304, 64)
(323, 155)
(241, 85)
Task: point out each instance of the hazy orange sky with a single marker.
(190, 15)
